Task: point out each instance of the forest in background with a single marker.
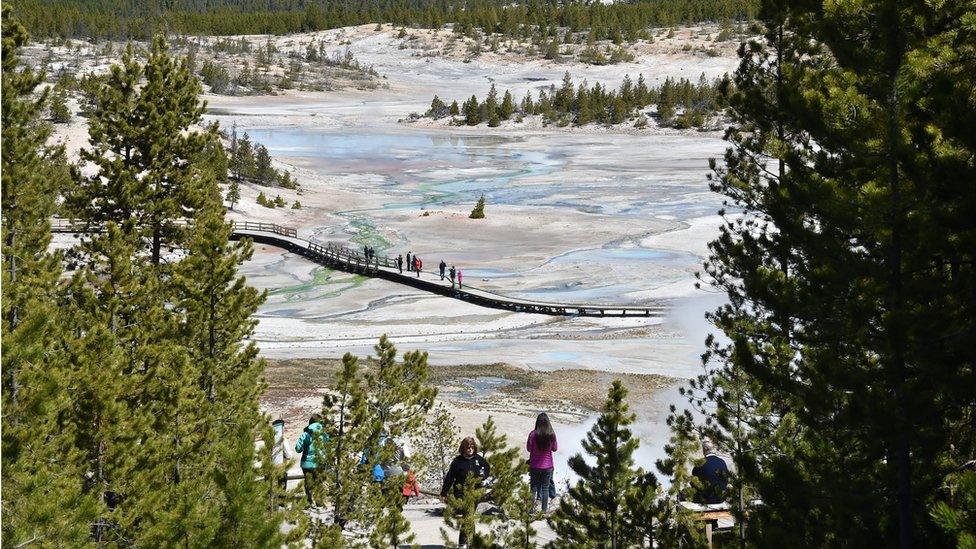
(120, 19)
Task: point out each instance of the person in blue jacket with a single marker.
(309, 444)
(379, 474)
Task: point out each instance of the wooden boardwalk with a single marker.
(336, 256)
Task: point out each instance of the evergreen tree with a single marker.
(479, 209)
(58, 107)
(521, 513)
(489, 109)
(471, 112)
(455, 111)
(461, 513)
(142, 150)
(438, 109)
(242, 162)
(598, 502)
(846, 273)
(218, 306)
(43, 500)
(263, 171)
(507, 469)
(345, 477)
(507, 107)
(435, 444)
(233, 193)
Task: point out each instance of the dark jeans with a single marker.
(539, 480)
(311, 475)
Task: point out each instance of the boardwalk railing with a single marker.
(343, 258)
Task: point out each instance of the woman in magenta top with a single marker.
(541, 445)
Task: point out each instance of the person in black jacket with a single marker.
(468, 462)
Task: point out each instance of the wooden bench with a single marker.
(710, 514)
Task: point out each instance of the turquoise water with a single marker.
(415, 170)
(427, 169)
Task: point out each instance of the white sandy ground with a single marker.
(589, 182)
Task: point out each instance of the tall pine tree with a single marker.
(850, 271)
(599, 501)
(43, 500)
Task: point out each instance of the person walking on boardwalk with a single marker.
(418, 265)
(453, 273)
(365, 252)
(467, 462)
(541, 444)
(308, 444)
(400, 263)
(460, 279)
(443, 266)
(409, 262)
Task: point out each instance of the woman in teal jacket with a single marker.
(306, 444)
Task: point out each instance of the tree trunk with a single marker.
(901, 451)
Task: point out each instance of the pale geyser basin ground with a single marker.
(574, 215)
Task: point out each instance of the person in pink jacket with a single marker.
(541, 444)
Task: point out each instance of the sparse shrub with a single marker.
(479, 209)
(263, 201)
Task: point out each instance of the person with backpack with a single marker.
(467, 462)
(310, 444)
(541, 444)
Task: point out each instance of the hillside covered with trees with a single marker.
(133, 19)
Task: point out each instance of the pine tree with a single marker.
(838, 284)
(344, 478)
(522, 534)
(507, 470)
(507, 107)
(43, 500)
(461, 513)
(397, 401)
(598, 502)
(263, 172)
(143, 152)
(390, 528)
(471, 112)
(242, 162)
(218, 306)
(233, 193)
(489, 109)
(479, 209)
(435, 444)
(58, 107)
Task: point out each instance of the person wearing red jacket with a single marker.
(411, 488)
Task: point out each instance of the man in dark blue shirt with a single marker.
(714, 476)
